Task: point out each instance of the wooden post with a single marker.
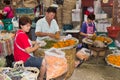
(116, 13)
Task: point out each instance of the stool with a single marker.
(97, 50)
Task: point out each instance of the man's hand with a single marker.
(56, 36)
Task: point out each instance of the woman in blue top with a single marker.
(88, 27)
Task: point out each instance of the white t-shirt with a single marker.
(43, 26)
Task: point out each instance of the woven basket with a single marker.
(47, 3)
(68, 5)
(70, 56)
(59, 16)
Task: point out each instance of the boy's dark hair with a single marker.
(24, 20)
(51, 9)
(91, 16)
(7, 2)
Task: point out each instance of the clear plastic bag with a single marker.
(83, 54)
(56, 63)
(41, 43)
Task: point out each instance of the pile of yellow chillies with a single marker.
(102, 38)
(114, 59)
(66, 43)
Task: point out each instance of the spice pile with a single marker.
(59, 44)
(114, 60)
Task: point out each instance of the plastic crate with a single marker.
(113, 31)
(67, 27)
(24, 10)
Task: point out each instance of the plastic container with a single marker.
(113, 31)
(67, 27)
(24, 10)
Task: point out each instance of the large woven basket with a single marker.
(70, 56)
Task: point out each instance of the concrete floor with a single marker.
(90, 70)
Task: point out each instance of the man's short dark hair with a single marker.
(51, 9)
(91, 16)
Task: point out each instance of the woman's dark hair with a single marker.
(24, 20)
(91, 16)
(51, 9)
(7, 2)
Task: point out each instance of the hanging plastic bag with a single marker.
(15, 22)
(56, 63)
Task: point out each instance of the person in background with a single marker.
(89, 10)
(7, 10)
(23, 47)
(38, 11)
(47, 27)
(88, 27)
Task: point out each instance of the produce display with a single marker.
(101, 39)
(60, 43)
(113, 59)
(49, 43)
(69, 50)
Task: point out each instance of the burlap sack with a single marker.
(29, 3)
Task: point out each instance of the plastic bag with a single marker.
(41, 43)
(69, 36)
(117, 43)
(83, 54)
(56, 63)
(15, 22)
